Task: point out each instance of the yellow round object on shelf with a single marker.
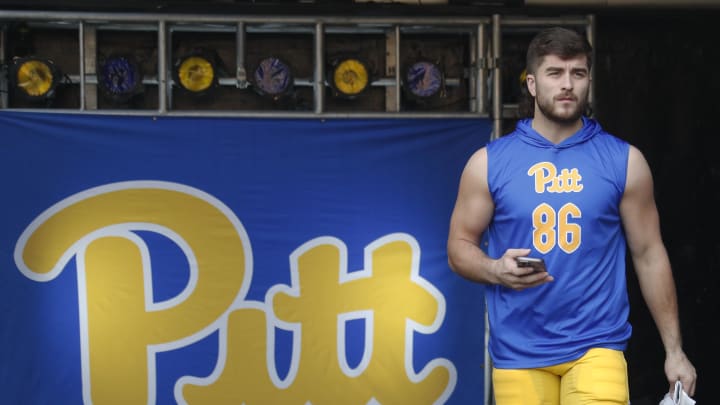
(35, 78)
(350, 77)
(196, 74)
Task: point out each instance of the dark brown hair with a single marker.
(558, 41)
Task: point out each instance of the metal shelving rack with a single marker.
(483, 75)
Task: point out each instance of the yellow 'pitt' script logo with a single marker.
(547, 179)
(550, 227)
(122, 326)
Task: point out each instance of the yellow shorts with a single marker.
(599, 378)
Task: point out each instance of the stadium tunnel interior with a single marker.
(655, 85)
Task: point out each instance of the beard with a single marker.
(547, 108)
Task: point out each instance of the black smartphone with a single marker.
(536, 263)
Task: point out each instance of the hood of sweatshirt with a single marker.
(528, 135)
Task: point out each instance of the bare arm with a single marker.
(652, 265)
(470, 218)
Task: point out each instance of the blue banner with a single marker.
(164, 260)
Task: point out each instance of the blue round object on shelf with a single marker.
(272, 76)
(423, 79)
(119, 76)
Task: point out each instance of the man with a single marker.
(561, 189)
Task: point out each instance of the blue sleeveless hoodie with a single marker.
(562, 201)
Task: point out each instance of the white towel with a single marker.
(679, 397)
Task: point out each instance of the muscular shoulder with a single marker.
(479, 157)
(639, 176)
(476, 166)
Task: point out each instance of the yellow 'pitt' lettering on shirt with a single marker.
(547, 179)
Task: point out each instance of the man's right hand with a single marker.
(508, 274)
